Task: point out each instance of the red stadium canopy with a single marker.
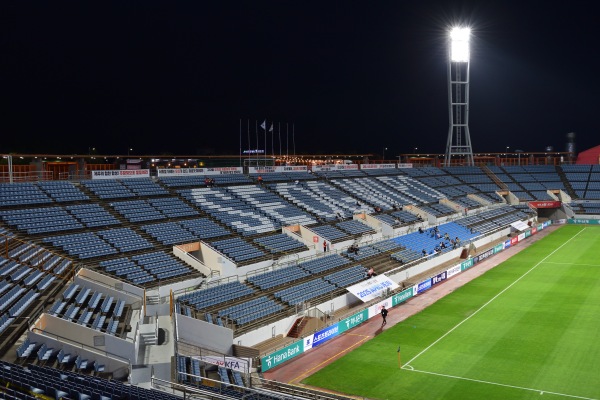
(590, 156)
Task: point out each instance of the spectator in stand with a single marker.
(324, 246)
(420, 230)
(424, 252)
(259, 180)
(371, 273)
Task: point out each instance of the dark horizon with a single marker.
(176, 78)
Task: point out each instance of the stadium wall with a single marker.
(117, 366)
(203, 334)
(81, 336)
(104, 281)
(124, 294)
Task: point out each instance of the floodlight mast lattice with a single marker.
(459, 139)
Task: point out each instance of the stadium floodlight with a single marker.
(459, 44)
(459, 139)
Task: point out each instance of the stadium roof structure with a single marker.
(589, 156)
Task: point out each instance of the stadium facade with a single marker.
(128, 280)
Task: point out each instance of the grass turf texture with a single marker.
(527, 328)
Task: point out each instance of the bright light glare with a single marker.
(459, 44)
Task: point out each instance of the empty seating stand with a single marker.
(280, 243)
(49, 382)
(330, 233)
(215, 295)
(62, 191)
(237, 249)
(355, 227)
(22, 194)
(82, 245)
(40, 220)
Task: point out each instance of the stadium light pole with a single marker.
(459, 139)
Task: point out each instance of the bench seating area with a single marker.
(280, 243)
(22, 194)
(53, 383)
(40, 220)
(271, 279)
(92, 215)
(251, 310)
(238, 215)
(354, 227)
(491, 220)
(424, 241)
(205, 298)
(318, 198)
(305, 291)
(93, 309)
(107, 189)
(237, 249)
(61, 191)
(330, 233)
(82, 245)
(347, 277)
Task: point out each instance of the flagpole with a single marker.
(287, 140)
(256, 154)
(265, 153)
(249, 143)
(272, 139)
(279, 139)
(294, 137)
(399, 362)
(240, 142)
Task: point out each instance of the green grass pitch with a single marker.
(527, 329)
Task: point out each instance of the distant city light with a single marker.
(459, 50)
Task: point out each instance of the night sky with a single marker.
(176, 77)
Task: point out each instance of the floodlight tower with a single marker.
(459, 140)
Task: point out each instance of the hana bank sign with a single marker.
(281, 356)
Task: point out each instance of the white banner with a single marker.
(405, 165)
(224, 171)
(453, 271)
(378, 166)
(235, 363)
(520, 225)
(180, 171)
(264, 170)
(335, 167)
(121, 174)
(295, 168)
(371, 288)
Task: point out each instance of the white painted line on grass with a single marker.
(503, 384)
(571, 264)
(492, 299)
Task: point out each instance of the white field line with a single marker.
(577, 265)
(502, 384)
(493, 298)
